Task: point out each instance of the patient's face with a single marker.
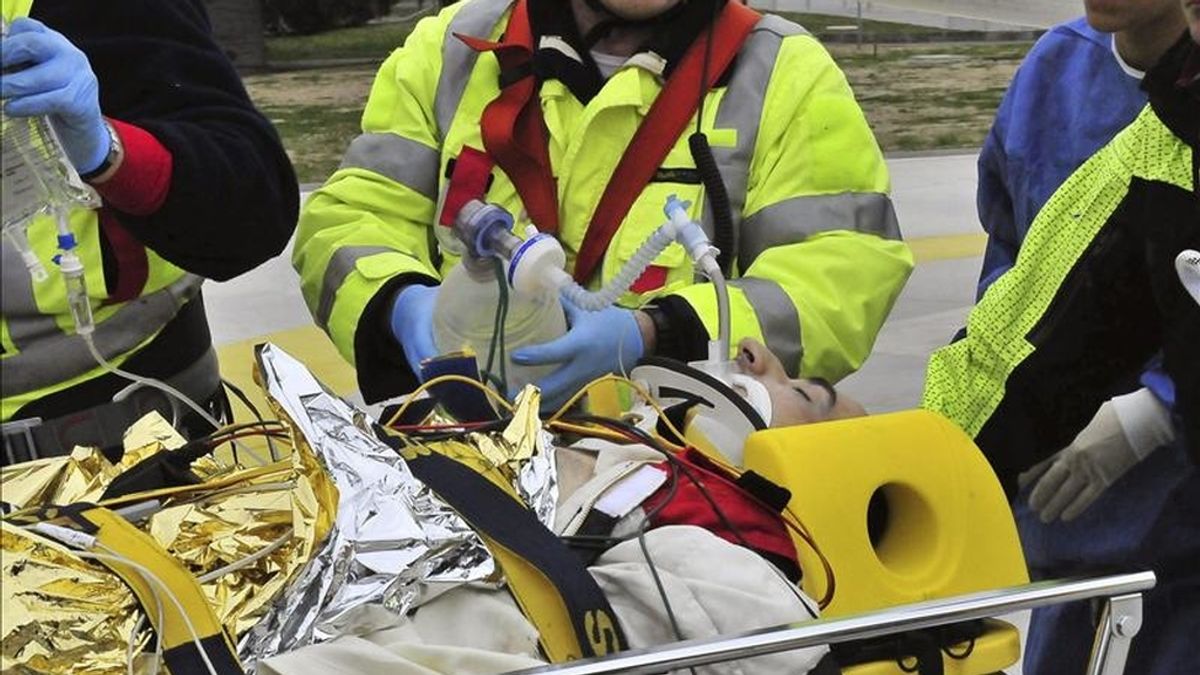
(802, 401)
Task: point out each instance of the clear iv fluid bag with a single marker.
(37, 176)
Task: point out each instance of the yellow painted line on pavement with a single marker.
(947, 247)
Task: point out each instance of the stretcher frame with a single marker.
(1120, 621)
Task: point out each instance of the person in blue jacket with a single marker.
(1123, 495)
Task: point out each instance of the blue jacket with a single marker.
(1069, 98)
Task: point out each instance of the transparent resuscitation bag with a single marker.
(464, 317)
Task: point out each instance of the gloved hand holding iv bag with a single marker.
(47, 75)
(595, 344)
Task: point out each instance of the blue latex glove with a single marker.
(596, 343)
(412, 324)
(53, 77)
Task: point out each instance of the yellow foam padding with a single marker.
(998, 648)
(950, 528)
(605, 400)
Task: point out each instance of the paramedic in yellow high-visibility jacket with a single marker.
(817, 258)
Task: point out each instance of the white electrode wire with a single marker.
(167, 389)
(248, 560)
(149, 576)
(131, 652)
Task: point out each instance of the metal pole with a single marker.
(1119, 623)
(860, 26)
(869, 625)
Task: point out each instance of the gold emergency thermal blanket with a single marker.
(62, 614)
(347, 539)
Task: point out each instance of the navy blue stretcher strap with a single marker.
(502, 520)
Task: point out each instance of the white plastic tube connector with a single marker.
(539, 262)
(20, 241)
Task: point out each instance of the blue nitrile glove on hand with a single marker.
(47, 75)
(597, 343)
(412, 324)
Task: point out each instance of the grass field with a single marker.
(916, 96)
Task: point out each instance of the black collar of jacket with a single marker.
(581, 75)
(1177, 104)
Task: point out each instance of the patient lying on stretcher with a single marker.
(718, 546)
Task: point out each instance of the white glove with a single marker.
(1124, 431)
(1188, 266)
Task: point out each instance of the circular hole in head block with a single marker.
(903, 530)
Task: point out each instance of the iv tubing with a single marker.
(166, 389)
(85, 327)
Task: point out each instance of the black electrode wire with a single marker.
(662, 591)
(497, 346)
(676, 463)
(603, 543)
(241, 396)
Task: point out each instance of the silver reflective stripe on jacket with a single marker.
(26, 323)
(62, 357)
(341, 264)
(412, 164)
(794, 220)
(477, 18)
(778, 319)
(741, 109)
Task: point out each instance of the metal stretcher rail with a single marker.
(1120, 622)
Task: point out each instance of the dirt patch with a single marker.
(932, 96)
(916, 97)
(343, 87)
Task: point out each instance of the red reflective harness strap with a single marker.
(658, 133)
(514, 133)
(469, 180)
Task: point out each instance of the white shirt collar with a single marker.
(1129, 70)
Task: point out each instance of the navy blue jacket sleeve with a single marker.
(233, 200)
(994, 199)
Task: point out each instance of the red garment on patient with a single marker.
(759, 525)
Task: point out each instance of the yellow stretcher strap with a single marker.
(549, 582)
(180, 651)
